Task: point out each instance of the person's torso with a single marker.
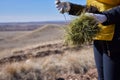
(106, 32)
(110, 2)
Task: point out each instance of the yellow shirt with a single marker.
(106, 32)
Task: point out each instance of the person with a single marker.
(107, 41)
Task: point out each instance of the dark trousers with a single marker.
(107, 59)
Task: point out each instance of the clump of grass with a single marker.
(21, 71)
(81, 30)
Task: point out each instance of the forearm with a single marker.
(113, 16)
(76, 9)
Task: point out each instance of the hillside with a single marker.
(45, 33)
(41, 55)
(19, 39)
(26, 26)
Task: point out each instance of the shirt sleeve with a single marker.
(76, 9)
(113, 16)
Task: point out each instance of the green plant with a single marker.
(81, 30)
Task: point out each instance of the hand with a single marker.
(62, 7)
(99, 17)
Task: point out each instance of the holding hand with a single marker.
(99, 17)
(62, 7)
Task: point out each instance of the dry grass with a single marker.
(20, 71)
(50, 67)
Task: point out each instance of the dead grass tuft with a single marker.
(50, 67)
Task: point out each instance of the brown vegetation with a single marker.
(47, 60)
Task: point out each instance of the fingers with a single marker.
(57, 2)
(89, 14)
(99, 17)
(59, 6)
(62, 6)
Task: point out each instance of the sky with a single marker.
(32, 10)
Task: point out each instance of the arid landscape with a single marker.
(38, 52)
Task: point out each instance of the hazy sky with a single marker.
(31, 10)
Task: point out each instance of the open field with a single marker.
(10, 40)
(40, 54)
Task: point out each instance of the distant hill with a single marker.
(26, 26)
(10, 40)
(47, 32)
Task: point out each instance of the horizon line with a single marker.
(34, 21)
